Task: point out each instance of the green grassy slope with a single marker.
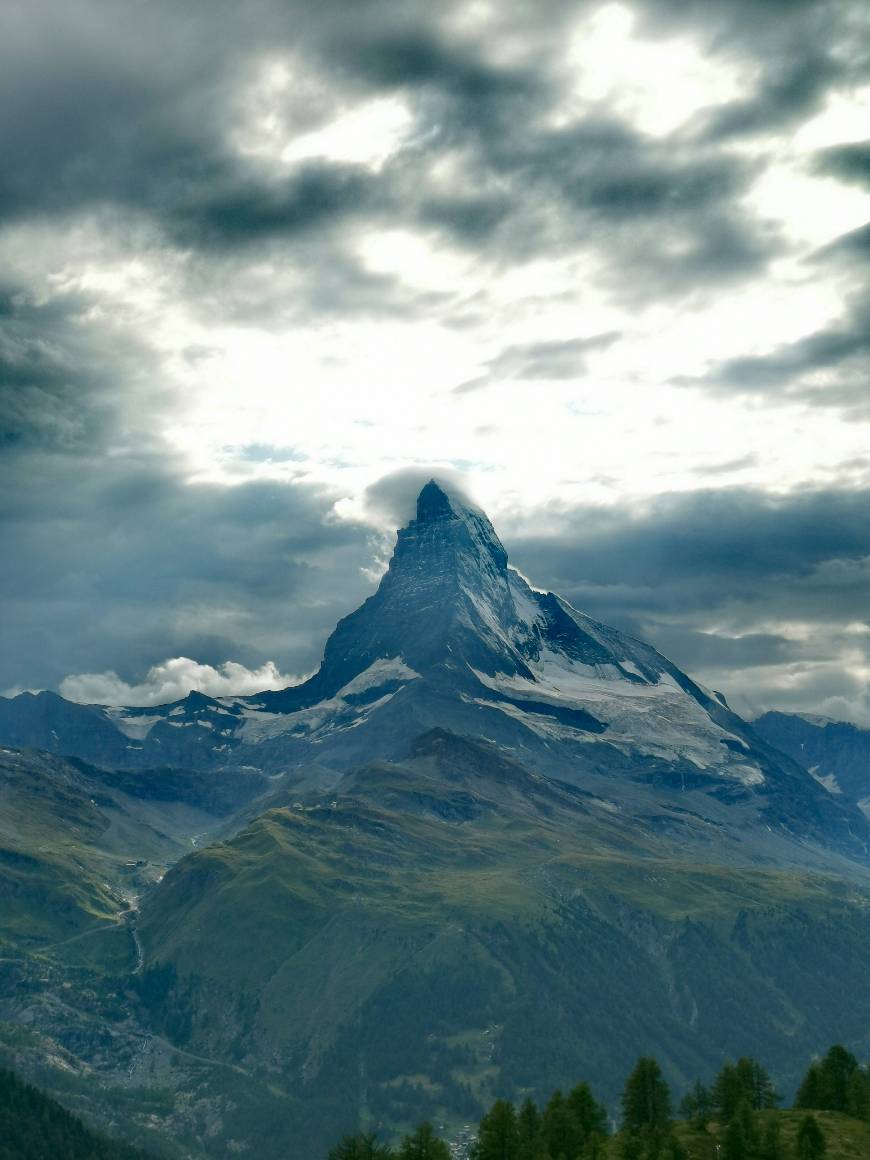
(449, 930)
(845, 1137)
(78, 844)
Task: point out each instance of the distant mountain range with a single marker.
(836, 753)
(456, 639)
(491, 847)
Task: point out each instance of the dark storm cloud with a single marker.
(787, 368)
(848, 162)
(121, 566)
(791, 89)
(692, 555)
(245, 211)
(61, 378)
(133, 114)
(794, 53)
(111, 559)
(828, 368)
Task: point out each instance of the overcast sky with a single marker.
(266, 266)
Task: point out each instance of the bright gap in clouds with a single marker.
(289, 115)
(657, 85)
(366, 135)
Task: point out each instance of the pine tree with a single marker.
(809, 1094)
(562, 1135)
(595, 1147)
(728, 1090)
(810, 1142)
(589, 1115)
(646, 1100)
(361, 1146)
(423, 1144)
(744, 1116)
(646, 1110)
(530, 1143)
(826, 1085)
(838, 1067)
(498, 1136)
(858, 1095)
(756, 1083)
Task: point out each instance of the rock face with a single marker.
(454, 638)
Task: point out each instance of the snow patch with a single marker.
(136, 728)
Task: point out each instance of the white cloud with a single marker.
(173, 679)
(656, 84)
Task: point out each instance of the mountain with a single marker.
(491, 847)
(455, 638)
(455, 926)
(836, 753)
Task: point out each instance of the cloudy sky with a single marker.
(265, 266)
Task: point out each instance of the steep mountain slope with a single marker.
(837, 753)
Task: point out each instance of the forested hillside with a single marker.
(35, 1127)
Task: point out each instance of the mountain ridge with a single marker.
(454, 637)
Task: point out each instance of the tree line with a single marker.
(575, 1126)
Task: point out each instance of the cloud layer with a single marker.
(265, 266)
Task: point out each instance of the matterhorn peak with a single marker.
(453, 528)
(433, 502)
(441, 501)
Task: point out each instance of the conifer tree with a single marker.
(561, 1133)
(735, 1145)
(838, 1067)
(498, 1135)
(589, 1114)
(530, 1143)
(728, 1090)
(646, 1109)
(809, 1094)
(826, 1085)
(646, 1100)
(423, 1144)
(361, 1146)
(756, 1083)
(743, 1116)
(858, 1095)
